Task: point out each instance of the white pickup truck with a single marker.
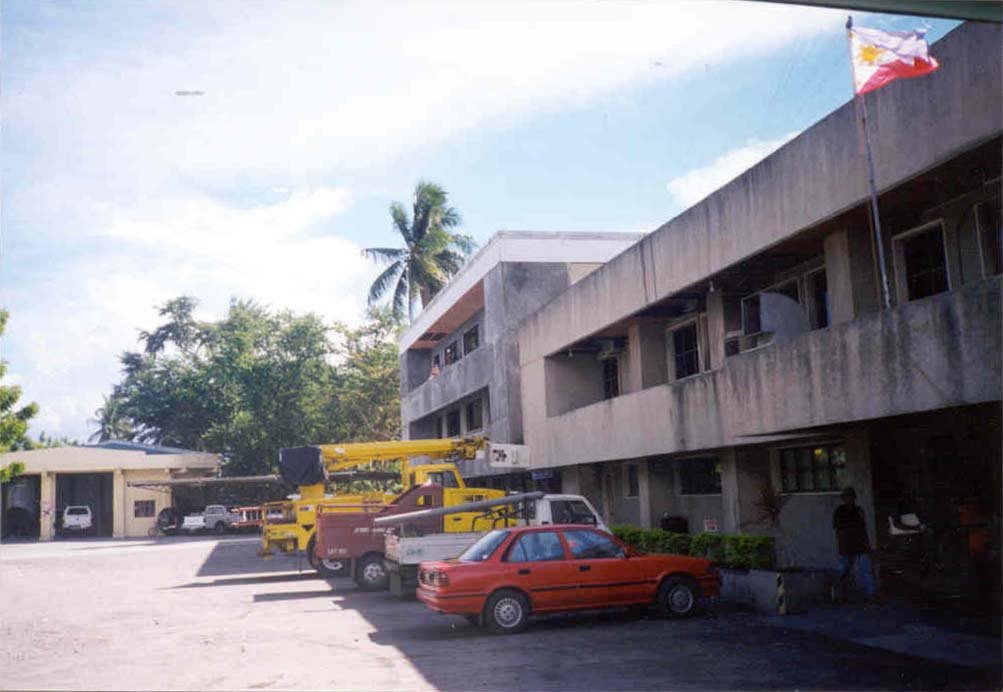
(403, 554)
(216, 518)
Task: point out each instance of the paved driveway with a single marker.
(207, 614)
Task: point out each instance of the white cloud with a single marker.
(694, 185)
(68, 335)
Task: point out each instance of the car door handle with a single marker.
(524, 571)
(584, 568)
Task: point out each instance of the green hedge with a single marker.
(743, 551)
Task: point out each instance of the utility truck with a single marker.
(382, 546)
(290, 526)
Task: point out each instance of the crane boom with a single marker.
(457, 509)
(338, 457)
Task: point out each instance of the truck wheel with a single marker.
(371, 575)
(677, 597)
(220, 527)
(506, 612)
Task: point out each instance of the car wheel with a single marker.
(506, 612)
(677, 597)
(371, 575)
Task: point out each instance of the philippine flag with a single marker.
(880, 57)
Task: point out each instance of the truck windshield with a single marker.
(484, 547)
(77, 510)
(572, 512)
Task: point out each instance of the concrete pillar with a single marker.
(729, 490)
(644, 493)
(646, 361)
(570, 483)
(744, 473)
(47, 506)
(716, 329)
(118, 504)
(849, 270)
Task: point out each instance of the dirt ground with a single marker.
(184, 613)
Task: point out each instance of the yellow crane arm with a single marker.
(339, 457)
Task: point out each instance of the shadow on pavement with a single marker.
(229, 557)
(242, 581)
(291, 595)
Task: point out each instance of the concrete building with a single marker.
(459, 361)
(735, 369)
(97, 476)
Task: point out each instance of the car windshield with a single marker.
(77, 510)
(484, 547)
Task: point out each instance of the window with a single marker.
(436, 365)
(818, 290)
(484, 547)
(570, 512)
(701, 476)
(585, 545)
(813, 469)
(451, 354)
(685, 351)
(471, 340)
(144, 508)
(630, 481)
(475, 418)
(923, 262)
(610, 378)
(537, 546)
(447, 479)
(990, 223)
(453, 423)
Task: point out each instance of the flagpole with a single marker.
(862, 109)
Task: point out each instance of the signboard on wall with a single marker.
(502, 456)
(710, 526)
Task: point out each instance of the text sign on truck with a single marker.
(502, 456)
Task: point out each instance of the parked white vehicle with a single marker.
(215, 518)
(77, 519)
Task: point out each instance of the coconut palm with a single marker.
(111, 421)
(432, 251)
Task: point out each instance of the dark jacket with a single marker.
(851, 530)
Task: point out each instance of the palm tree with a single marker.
(432, 252)
(111, 421)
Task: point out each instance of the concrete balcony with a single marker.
(938, 352)
(466, 376)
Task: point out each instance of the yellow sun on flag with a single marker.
(869, 54)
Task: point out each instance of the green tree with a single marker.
(111, 421)
(432, 251)
(13, 420)
(258, 380)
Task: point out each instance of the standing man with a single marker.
(854, 546)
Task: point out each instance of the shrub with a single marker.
(748, 551)
(741, 551)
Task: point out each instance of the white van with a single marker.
(77, 519)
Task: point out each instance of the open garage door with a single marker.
(91, 489)
(19, 507)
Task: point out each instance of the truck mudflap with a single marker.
(403, 579)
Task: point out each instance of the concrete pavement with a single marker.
(208, 614)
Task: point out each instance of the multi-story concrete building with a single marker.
(736, 368)
(459, 361)
(738, 357)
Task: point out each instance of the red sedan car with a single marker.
(510, 573)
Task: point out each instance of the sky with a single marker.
(119, 194)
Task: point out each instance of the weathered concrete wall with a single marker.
(814, 177)
(937, 352)
(666, 497)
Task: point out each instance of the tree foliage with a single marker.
(13, 419)
(432, 251)
(256, 381)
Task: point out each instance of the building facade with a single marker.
(459, 361)
(99, 476)
(735, 369)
